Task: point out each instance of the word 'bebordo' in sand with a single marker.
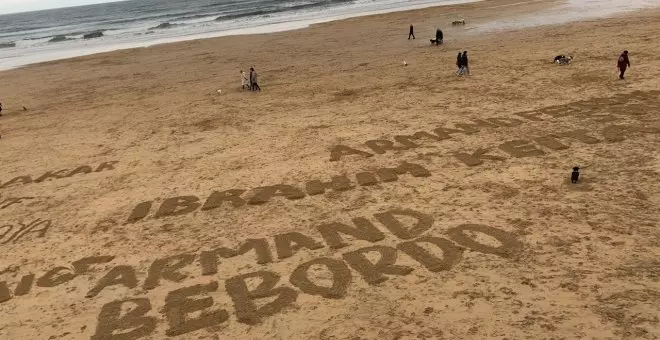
(51, 175)
(186, 204)
(192, 308)
(15, 233)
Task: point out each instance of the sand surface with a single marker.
(516, 251)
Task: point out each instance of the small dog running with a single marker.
(575, 175)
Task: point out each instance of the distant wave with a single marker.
(165, 25)
(265, 12)
(166, 16)
(192, 17)
(59, 38)
(8, 45)
(94, 35)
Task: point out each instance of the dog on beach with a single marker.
(575, 175)
(563, 60)
(458, 22)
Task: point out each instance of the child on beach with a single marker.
(244, 81)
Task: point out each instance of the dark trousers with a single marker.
(623, 71)
(411, 34)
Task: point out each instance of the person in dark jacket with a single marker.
(465, 68)
(412, 33)
(623, 63)
(254, 83)
(459, 62)
(438, 36)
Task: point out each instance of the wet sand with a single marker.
(525, 253)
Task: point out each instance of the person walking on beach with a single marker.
(465, 68)
(438, 36)
(411, 33)
(459, 63)
(623, 63)
(245, 83)
(254, 85)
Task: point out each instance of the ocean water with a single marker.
(32, 37)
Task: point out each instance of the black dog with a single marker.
(575, 174)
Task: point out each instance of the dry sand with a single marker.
(576, 262)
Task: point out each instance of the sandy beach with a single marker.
(353, 198)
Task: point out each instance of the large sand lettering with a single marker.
(57, 174)
(599, 109)
(235, 198)
(16, 233)
(8, 202)
(193, 308)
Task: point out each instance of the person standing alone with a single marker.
(411, 33)
(438, 36)
(623, 63)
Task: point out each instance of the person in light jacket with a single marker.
(245, 82)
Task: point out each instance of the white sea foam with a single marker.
(571, 10)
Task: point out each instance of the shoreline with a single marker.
(529, 19)
(269, 28)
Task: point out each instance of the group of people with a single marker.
(439, 37)
(462, 59)
(462, 64)
(250, 83)
(622, 63)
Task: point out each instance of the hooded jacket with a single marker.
(623, 61)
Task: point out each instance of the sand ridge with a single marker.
(488, 241)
